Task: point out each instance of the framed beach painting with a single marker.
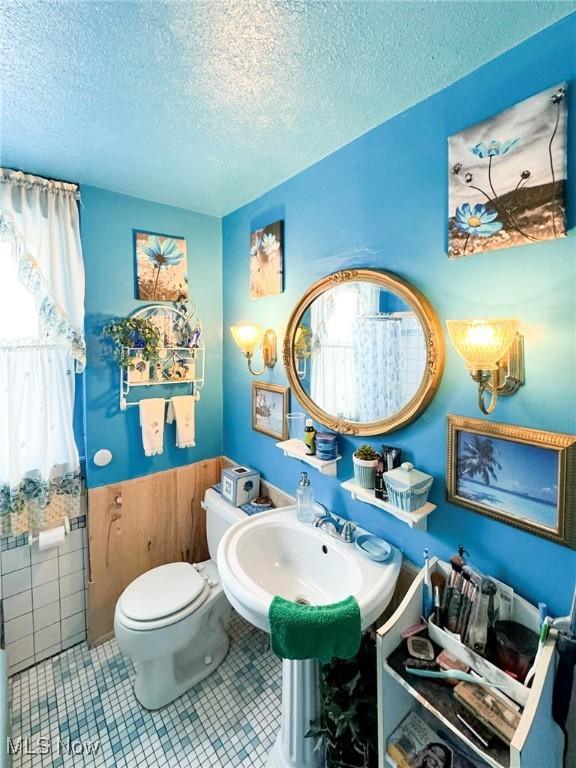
(267, 260)
(269, 408)
(161, 267)
(507, 177)
(523, 477)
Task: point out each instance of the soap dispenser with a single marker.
(305, 500)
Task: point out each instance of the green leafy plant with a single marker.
(366, 453)
(303, 342)
(131, 333)
(348, 728)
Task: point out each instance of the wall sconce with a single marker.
(248, 337)
(494, 355)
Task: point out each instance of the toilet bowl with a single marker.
(172, 620)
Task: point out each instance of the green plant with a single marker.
(303, 342)
(131, 333)
(366, 453)
(347, 729)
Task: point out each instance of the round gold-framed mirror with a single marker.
(364, 352)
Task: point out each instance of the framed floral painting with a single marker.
(266, 260)
(161, 267)
(508, 177)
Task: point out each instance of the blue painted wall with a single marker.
(381, 202)
(106, 228)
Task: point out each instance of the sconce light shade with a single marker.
(247, 335)
(493, 353)
(482, 343)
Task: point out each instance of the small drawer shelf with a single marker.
(416, 519)
(295, 449)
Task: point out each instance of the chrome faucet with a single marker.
(329, 523)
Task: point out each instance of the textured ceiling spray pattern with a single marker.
(208, 104)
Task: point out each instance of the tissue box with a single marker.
(407, 487)
(240, 485)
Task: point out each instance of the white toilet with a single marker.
(172, 620)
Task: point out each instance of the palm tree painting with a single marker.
(161, 267)
(514, 479)
(507, 177)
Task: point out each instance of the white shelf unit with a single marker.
(416, 519)
(296, 449)
(537, 742)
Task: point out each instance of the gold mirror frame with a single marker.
(434, 351)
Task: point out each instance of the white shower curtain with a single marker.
(41, 346)
(377, 366)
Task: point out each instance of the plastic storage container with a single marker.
(407, 487)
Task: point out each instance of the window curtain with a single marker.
(41, 347)
(333, 383)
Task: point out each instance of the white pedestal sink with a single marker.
(273, 554)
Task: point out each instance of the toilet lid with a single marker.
(161, 591)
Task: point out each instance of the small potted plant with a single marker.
(365, 460)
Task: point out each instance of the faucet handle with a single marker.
(348, 532)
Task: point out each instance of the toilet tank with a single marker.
(220, 515)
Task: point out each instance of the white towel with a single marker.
(181, 409)
(152, 423)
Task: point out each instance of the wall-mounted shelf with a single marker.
(181, 365)
(416, 519)
(295, 449)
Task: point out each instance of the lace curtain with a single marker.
(333, 383)
(41, 346)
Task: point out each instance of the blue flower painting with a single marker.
(266, 260)
(508, 176)
(161, 267)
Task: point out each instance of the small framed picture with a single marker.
(270, 403)
(161, 267)
(522, 477)
(267, 260)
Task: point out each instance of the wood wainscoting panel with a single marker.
(139, 524)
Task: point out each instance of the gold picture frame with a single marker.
(270, 403)
(519, 476)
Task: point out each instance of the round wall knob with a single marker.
(103, 457)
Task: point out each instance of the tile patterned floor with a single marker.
(230, 719)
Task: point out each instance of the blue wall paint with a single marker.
(381, 202)
(106, 227)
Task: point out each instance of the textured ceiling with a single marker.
(207, 104)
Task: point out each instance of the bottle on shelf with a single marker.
(305, 500)
(310, 438)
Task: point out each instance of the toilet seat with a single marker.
(163, 596)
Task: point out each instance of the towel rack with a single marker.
(125, 404)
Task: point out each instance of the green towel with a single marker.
(315, 631)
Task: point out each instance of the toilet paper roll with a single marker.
(51, 538)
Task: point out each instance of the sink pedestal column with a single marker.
(300, 707)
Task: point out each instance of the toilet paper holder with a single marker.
(65, 523)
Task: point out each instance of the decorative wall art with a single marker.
(508, 176)
(269, 408)
(523, 477)
(161, 267)
(266, 260)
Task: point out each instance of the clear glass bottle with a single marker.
(305, 500)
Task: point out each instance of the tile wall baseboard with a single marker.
(43, 596)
